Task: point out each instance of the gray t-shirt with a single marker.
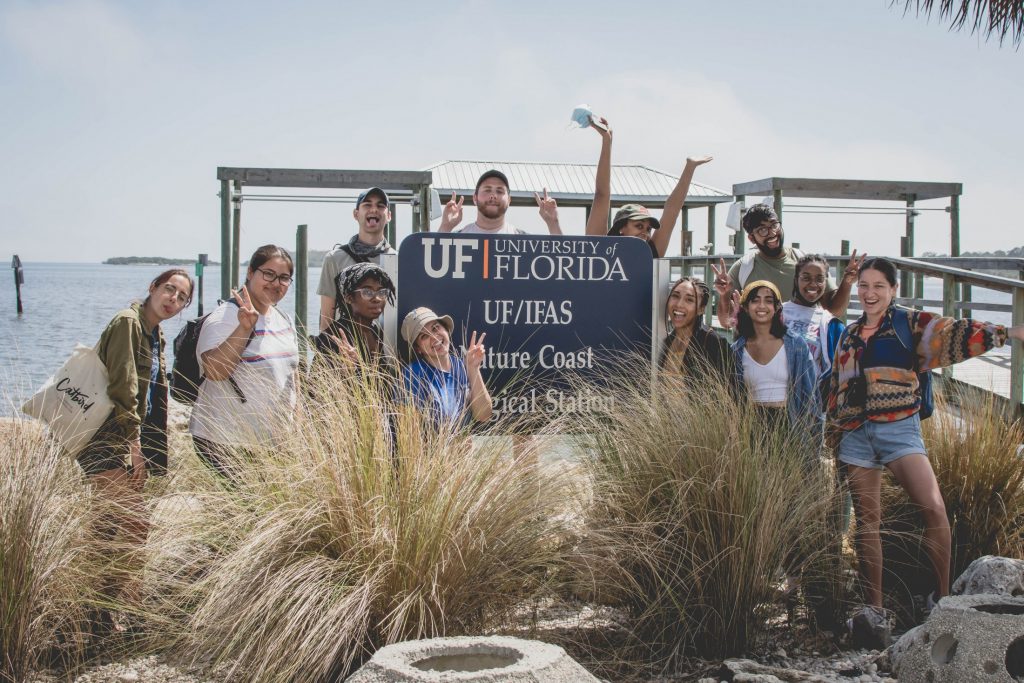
(779, 271)
(336, 261)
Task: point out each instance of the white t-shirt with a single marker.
(265, 374)
(811, 323)
(506, 229)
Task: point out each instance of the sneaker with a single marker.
(870, 628)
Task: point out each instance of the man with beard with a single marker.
(492, 198)
(772, 261)
(372, 213)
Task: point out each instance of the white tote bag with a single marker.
(74, 402)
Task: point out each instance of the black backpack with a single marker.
(187, 373)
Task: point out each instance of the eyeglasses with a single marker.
(270, 276)
(179, 296)
(765, 230)
(368, 294)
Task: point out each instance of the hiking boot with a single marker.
(870, 628)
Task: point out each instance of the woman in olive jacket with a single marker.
(134, 437)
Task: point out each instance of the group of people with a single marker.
(794, 357)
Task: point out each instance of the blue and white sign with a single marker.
(550, 305)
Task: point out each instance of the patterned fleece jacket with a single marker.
(890, 368)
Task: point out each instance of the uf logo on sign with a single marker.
(448, 246)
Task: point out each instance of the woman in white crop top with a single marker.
(773, 366)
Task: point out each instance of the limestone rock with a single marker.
(749, 671)
(472, 659)
(966, 638)
(992, 575)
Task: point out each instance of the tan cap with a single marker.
(418, 318)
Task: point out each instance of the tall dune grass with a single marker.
(694, 517)
(362, 526)
(50, 567)
(973, 447)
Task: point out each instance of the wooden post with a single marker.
(236, 232)
(740, 237)
(907, 279)
(225, 239)
(19, 280)
(948, 308)
(1017, 352)
(685, 236)
(200, 265)
(423, 222)
(844, 250)
(904, 275)
(301, 291)
(711, 230)
(392, 234)
(954, 225)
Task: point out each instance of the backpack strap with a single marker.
(746, 268)
(901, 326)
(231, 378)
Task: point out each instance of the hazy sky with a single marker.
(115, 115)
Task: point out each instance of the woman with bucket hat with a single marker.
(450, 388)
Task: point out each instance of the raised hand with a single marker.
(475, 352)
(694, 162)
(722, 283)
(853, 268)
(452, 214)
(547, 205)
(247, 315)
(346, 351)
(601, 125)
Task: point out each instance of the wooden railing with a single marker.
(958, 280)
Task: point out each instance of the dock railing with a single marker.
(958, 282)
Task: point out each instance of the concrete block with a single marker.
(472, 659)
(992, 575)
(966, 638)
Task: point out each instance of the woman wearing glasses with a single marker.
(249, 356)
(354, 336)
(134, 438)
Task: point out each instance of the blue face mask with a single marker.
(583, 117)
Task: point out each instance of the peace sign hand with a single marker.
(548, 206)
(853, 268)
(346, 351)
(247, 315)
(723, 283)
(475, 352)
(452, 214)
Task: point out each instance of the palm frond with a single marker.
(1003, 19)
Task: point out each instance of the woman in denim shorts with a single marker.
(875, 401)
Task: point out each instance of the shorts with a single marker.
(876, 444)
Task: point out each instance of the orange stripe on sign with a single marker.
(486, 252)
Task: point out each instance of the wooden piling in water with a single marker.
(19, 280)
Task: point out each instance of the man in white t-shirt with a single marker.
(372, 213)
(492, 198)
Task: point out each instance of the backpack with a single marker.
(901, 326)
(187, 373)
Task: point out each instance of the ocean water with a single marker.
(69, 303)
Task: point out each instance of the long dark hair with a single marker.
(167, 275)
(700, 288)
(264, 254)
(745, 325)
(883, 266)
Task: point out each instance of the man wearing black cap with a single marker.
(492, 198)
(372, 213)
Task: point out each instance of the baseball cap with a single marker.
(417, 320)
(631, 212)
(374, 190)
(493, 173)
